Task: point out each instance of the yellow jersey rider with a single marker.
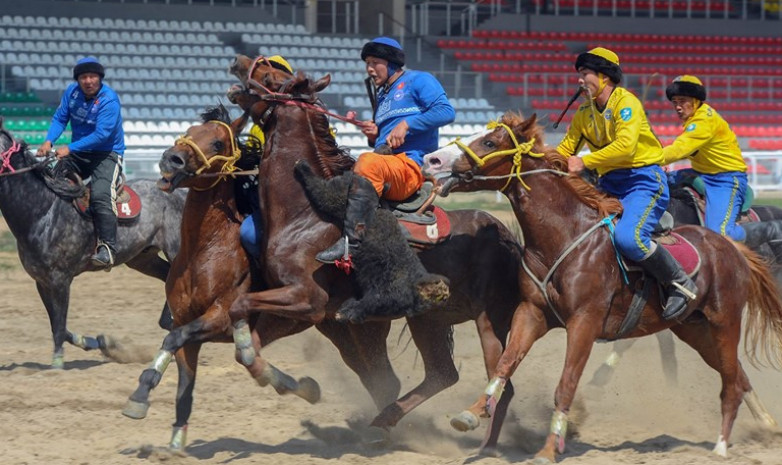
(712, 148)
(627, 156)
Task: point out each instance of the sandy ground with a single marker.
(72, 416)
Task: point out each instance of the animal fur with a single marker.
(390, 280)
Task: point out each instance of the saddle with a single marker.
(425, 229)
(681, 249)
(695, 194)
(128, 202)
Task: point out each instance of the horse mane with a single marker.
(586, 192)
(332, 158)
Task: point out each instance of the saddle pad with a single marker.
(428, 234)
(684, 252)
(128, 204)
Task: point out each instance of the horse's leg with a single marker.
(56, 300)
(213, 323)
(581, 335)
(492, 345)
(263, 372)
(668, 357)
(363, 349)
(433, 342)
(718, 346)
(604, 373)
(187, 364)
(303, 301)
(528, 325)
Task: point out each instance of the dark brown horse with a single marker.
(212, 269)
(481, 259)
(572, 279)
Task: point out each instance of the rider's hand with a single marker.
(575, 165)
(44, 149)
(397, 136)
(62, 152)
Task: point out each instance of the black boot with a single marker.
(765, 232)
(362, 204)
(669, 273)
(106, 229)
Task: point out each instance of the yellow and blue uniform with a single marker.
(627, 156)
(714, 154)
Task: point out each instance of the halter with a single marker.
(230, 160)
(518, 151)
(6, 157)
(289, 99)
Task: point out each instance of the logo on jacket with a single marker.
(626, 113)
(399, 94)
(690, 127)
(608, 114)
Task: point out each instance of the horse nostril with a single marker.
(176, 161)
(435, 162)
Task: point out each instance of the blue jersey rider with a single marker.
(627, 156)
(97, 143)
(410, 106)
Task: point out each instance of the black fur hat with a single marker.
(601, 60)
(88, 65)
(687, 86)
(385, 48)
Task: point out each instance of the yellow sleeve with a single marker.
(628, 117)
(697, 133)
(573, 142)
(256, 131)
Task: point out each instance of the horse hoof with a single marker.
(309, 390)
(376, 437)
(465, 421)
(106, 344)
(135, 410)
(58, 362)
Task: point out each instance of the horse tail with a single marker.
(763, 328)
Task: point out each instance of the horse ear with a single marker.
(528, 124)
(238, 124)
(321, 83)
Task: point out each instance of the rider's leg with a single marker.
(395, 177)
(103, 206)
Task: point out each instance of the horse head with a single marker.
(263, 87)
(207, 150)
(490, 159)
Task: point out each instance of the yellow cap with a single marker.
(281, 63)
(688, 78)
(606, 54)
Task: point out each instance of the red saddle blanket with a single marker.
(128, 204)
(420, 234)
(683, 251)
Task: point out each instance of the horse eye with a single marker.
(219, 146)
(488, 143)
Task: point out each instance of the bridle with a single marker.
(206, 163)
(517, 152)
(6, 169)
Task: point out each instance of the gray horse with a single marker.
(55, 241)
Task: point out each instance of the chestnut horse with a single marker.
(572, 279)
(212, 269)
(481, 259)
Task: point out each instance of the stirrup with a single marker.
(687, 293)
(103, 260)
(338, 251)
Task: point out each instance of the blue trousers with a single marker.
(725, 194)
(644, 195)
(250, 234)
